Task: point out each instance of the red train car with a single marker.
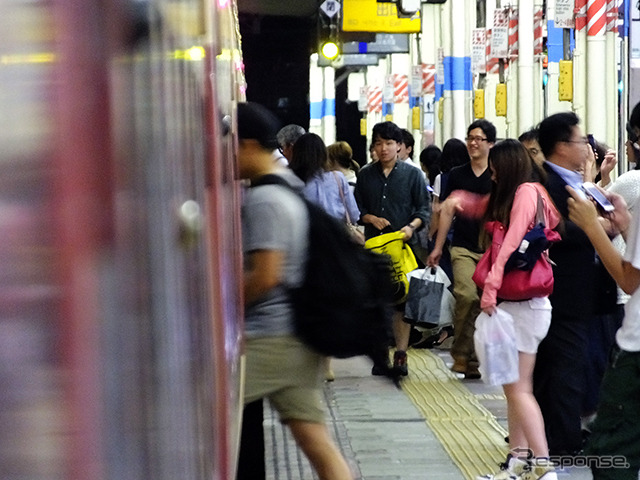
(120, 266)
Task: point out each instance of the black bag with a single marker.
(535, 241)
(343, 308)
(430, 302)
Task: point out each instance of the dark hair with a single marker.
(634, 118)
(430, 159)
(408, 140)
(255, 122)
(529, 136)
(538, 173)
(454, 154)
(309, 156)
(512, 166)
(486, 126)
(386, 131)
(555, 129)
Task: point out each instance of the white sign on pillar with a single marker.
(440, 67)
(416, 80)
(428, 118)
(479, 50)
(363, 99)
(564, 14)
(500, 34)
(389, 89)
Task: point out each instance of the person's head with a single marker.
(287, 136)
(481, 135)
(341, 154)
(257, 128)
(373, 156)
(530, 141)
(633, 137)
(454, 154)
(386, 139)
(562, 141)
(430, 162)
(406, 146)
(309, 156)
(510, 166)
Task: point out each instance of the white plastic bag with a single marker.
(495, 342)
(429, 302)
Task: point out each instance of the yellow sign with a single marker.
(372, 16)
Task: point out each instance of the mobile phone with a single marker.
(593, 192)
(592, 142)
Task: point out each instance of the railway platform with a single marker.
(437, 426)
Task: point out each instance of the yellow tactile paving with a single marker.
(468, 432)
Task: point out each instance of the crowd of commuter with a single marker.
(578, 388)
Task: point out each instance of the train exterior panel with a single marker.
(120, 316)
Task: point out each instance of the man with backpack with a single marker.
(279, 366)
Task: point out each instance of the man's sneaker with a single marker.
(400, 363)
(542, 469)
(512, 469)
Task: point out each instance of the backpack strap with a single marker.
(271, 179)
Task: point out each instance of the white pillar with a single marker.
(316, 82)
(596, 118)
(460, 47)
(329, 106)
(527, 88)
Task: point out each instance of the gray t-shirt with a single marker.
(274, 218)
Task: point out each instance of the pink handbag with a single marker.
(516, 284)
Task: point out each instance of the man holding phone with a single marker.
(559, 383)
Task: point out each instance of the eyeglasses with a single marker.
(477, 139)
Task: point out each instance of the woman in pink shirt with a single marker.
(513, 202)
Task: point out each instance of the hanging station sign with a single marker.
(373, 16)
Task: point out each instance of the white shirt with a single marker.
(628, 336)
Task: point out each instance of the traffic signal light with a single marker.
(329, 49)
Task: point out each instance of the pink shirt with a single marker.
(521, 220)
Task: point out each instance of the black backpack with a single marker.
(344, 307)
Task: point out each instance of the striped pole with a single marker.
(596, 102)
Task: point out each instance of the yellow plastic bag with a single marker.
(401, 257)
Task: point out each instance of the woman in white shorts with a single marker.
(513, 202)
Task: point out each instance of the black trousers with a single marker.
(559, 382)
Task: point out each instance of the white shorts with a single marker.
(531, 320)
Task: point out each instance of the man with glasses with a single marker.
(559, 381)
(286, 137)
(474, 177)
(615, 429)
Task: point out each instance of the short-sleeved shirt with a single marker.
(466, 231)
(399, 197)
(628, 336)
(324, 189)
(275, 218)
